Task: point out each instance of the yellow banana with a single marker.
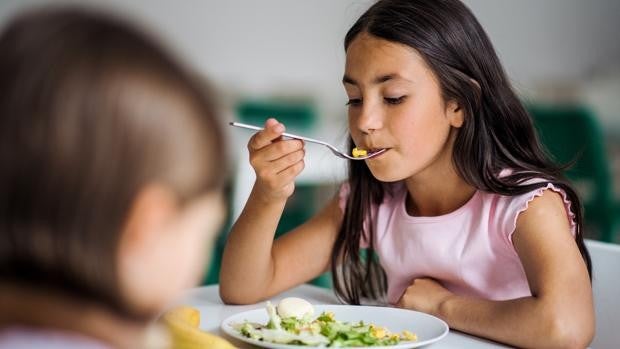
(183, 324)
(184, 314)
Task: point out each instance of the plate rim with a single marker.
(228, 330)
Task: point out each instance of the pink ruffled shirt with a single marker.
(469, 251)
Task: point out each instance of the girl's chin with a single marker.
(383, 175)
(386, 168)
(389, 179)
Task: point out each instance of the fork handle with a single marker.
(289, 135)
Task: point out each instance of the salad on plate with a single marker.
(293, 322)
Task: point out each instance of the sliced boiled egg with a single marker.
(294, 307)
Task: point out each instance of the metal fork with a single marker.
(333, 149)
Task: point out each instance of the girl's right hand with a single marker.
(276, 161)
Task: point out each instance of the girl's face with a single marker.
(165, 247)
(395, 103)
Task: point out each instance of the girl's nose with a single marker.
(370, 119)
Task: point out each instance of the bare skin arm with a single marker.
(560, 312)
(254, 266)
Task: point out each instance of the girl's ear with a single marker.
(455, 114)
(152, 209)
(143, 246)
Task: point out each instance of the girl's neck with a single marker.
(23, 306)
(437, 192)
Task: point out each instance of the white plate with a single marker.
(428, 328)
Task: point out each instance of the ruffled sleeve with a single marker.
(514, 205)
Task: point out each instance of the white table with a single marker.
(213, 312)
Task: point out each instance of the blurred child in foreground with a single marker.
(109, 188)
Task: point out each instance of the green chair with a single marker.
(212, 275)
(300, 207)
(295, 114)
(573, 134)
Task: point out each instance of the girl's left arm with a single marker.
(560, 312)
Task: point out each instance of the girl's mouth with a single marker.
(364, 154)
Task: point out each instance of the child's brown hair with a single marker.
(91, 111)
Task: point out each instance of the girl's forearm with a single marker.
(247, 265)
(525, 322)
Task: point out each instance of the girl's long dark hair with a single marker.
(497, 134)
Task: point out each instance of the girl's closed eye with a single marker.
(354, 102)
(388, 100)
(394, 100)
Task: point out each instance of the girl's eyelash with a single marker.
(353, 102)
(388, 100)
(397, 100)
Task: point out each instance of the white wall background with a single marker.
(295, 46)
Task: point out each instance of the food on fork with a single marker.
(357, 152)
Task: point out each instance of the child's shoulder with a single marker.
(520, 202)
(506, 209)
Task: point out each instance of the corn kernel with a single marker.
(377, 332)
(409, 336)
(359, 152)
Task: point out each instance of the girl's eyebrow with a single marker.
(378, 80)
